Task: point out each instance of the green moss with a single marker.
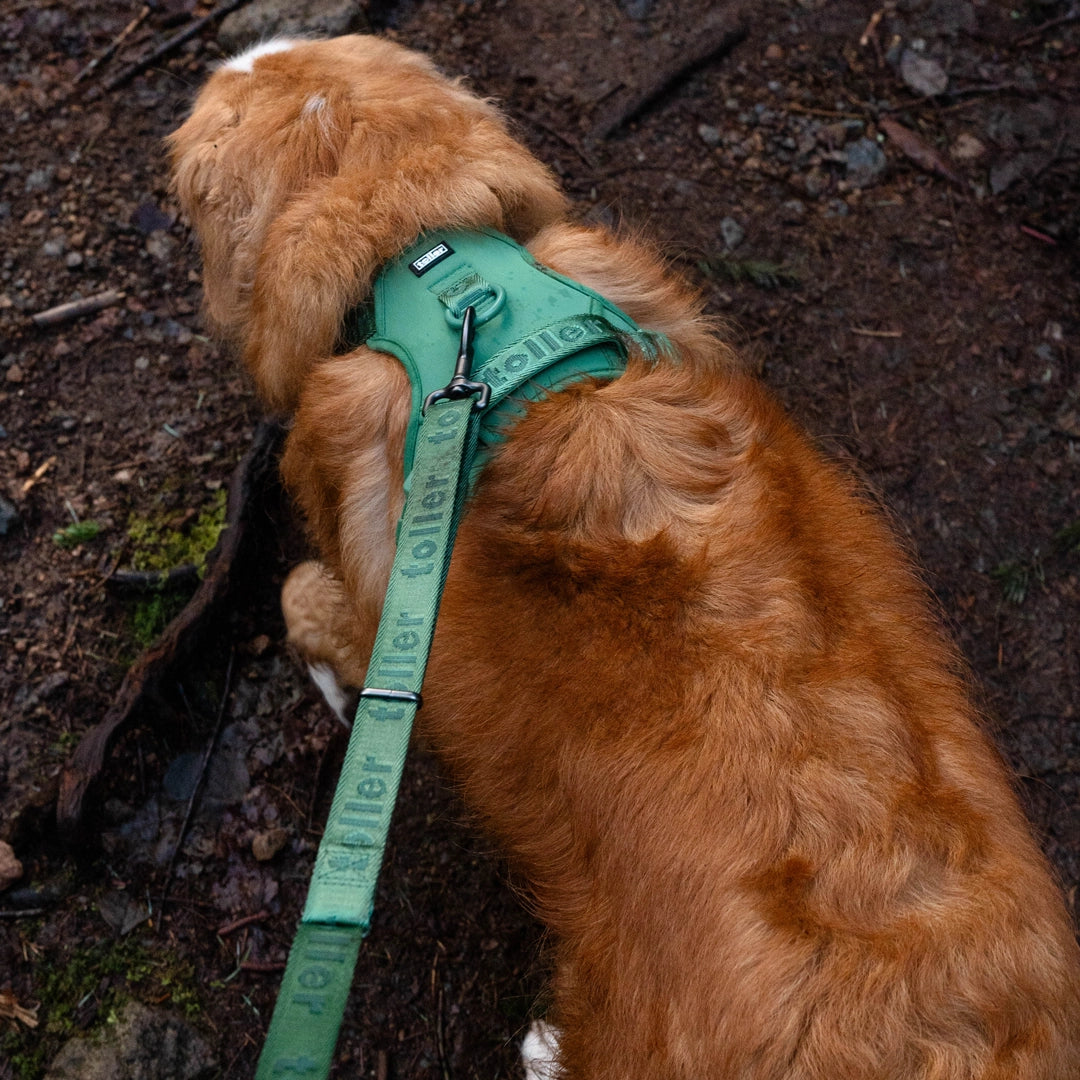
(107, 973)
(160, 544)
(151, 615)
(1068, 539)
(157, 544)
(76, 534)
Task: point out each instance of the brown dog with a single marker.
(682, 671)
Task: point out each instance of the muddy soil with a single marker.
(883, 204)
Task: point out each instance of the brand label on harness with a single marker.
(429, 259)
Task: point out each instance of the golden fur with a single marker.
(682, 671)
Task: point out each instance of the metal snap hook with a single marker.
(460, 386)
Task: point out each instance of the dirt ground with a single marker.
(884, 203)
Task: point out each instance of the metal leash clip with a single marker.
(460, 386)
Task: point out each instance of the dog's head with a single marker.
(306, 164)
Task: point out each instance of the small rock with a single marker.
(967, 148)
(73, 260)
(637, 9)
(263, 19)
(1003, 174)
(161, 245)
(51, 684)
(815, 183)
(267, 844)
(710, 136)
(924, 75)
(10, 867)
(774, 51)
(148, 217)
(40, 179)
(865, 163)
(8, 516)
(732, 233)
(833, 135)
(54, 247)
(14, 374)
(144, 1044)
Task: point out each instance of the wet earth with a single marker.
(883, 201)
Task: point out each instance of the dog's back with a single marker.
(704, 703)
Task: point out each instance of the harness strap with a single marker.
(315, 987)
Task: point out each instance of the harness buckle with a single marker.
(461, 386)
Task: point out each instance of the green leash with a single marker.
(579, 334)
(315, 987)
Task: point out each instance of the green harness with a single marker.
(550, 332)
(519, 329)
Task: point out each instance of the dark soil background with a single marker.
(884, 203)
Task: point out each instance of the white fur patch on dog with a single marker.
(245, 61)
(540, 1052)
(322, 675)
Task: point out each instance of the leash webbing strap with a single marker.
(315, 987)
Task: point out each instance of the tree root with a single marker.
(178, 640)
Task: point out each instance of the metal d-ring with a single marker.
(460, 386)
(487, 312)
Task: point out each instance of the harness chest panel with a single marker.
(419, 300)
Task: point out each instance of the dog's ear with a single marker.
(236, 162)
(408, 166)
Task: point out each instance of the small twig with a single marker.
(1029, 231)
(247, 920)
(876, 333)
(712, 40)
(794, 106)
(21, 913)
(565, 140)
(173, 43)
(38, 473)
(116, 43)
(1072, 15)
(145, 581)
(871, 27)
(72, 310)
(201, 776)
(267, 966)
(959, 92)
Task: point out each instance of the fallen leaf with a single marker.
(916, 149)
(267, 844)
(10, 1009)
(10, 867)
